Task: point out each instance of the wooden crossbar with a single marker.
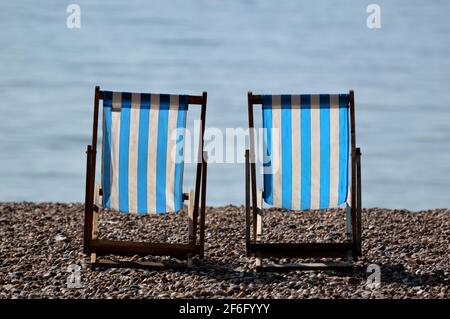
(106, 247)
(302, 250)
(192, 99)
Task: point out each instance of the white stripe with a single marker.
(133, 152)
(152, 153)
(315, 151)
(116, 102)
(296, 152)
(171, 152)
(276, 151)
(115, 148)
(182, 134)
(334, 150)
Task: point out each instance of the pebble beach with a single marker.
(38, 242)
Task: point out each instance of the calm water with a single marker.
(400, 73)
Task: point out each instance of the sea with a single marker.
(395, 55)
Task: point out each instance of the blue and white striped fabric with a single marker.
(143, 142)
(307, 150)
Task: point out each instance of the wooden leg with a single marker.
(247, 203)
(348, 222)
(93, 261)
(88, 202)
(254, 199)
(95, 214)
(349, 231)
(353, 212)
(191, 216)
(95, 220)
(259, 225)
(203, 205)
(350, 257)
(358, 200)
(190, 224)
(197, 199)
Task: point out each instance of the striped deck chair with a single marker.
(142, 173)
(309, 144)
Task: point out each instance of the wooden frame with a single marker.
(197, 200)
(253, 200)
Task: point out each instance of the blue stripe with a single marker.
(343, 149)
(343, 101)
(286, 151)
(324, 151)
(178, 186)
(267, 125)
(161, 156)
(124, 151)
(144, 114)
(107, 103)
(306, 151)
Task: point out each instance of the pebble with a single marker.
(59, 238)
(241, 294)
(39, 241)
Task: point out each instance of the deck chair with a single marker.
(309, 142)
(142, 173)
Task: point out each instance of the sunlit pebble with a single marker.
(411, 248)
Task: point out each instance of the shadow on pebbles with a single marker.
(39, 242)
